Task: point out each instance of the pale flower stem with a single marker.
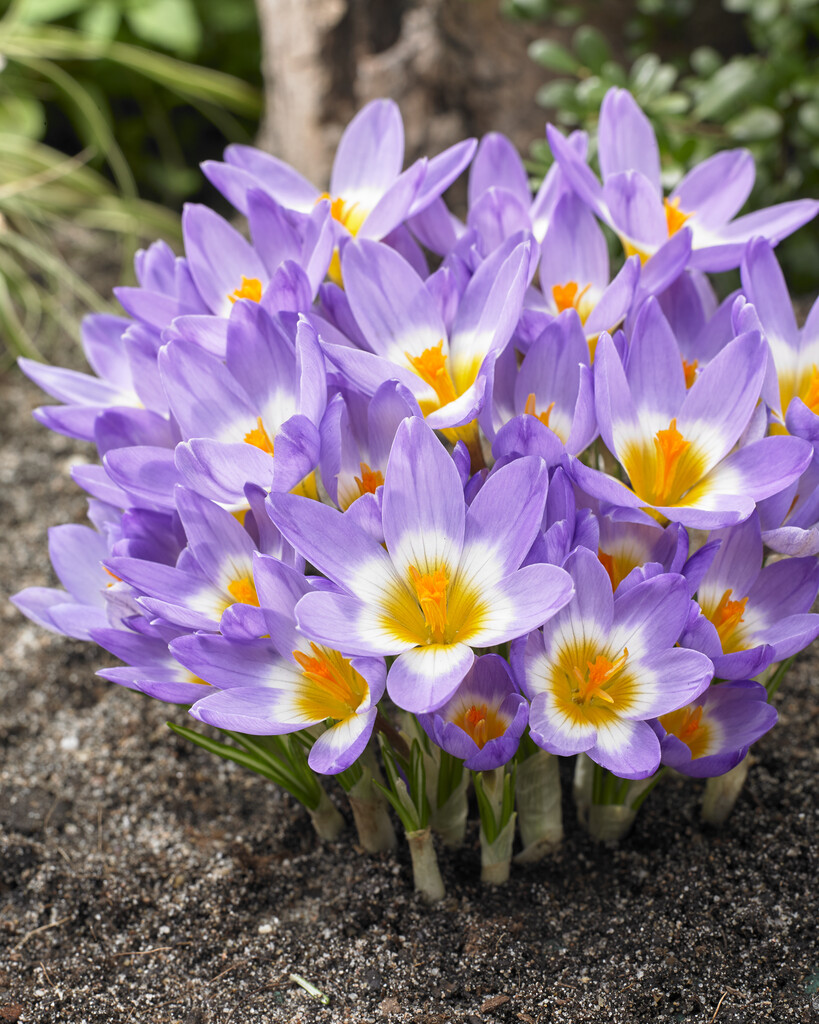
(449, 821)
(539, 807)
(496, 857)
(582, 787)
(370, 810)
(426, 874)
(722, 793)
(326, 818)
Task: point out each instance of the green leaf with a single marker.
(169, 24)
(808, 117)
(558, 94)
(755, 124)
(33, 12)
(101, 21)
(728, 89)
(591, 47)
(22, 115)
(705, 60)
(553, 56)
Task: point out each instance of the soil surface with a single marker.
(142, 880)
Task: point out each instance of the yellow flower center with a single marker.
(431, 367)
(430, 589)
(369, 480)
(251, 289)
(530, 410)
(592, 682)
(350, 215)
(567, 296)
(674, 216)
(260, 438)
(481, 723)
(687, 725)
(333, 687)
(728, 617)
(664, 472)
(243, 590)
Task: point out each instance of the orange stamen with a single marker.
(251, 289)
(480, 722)
(338, 689)
(369, 480)
(566, 296)
(670, 445)
(350, 215)
(260, 438)
(608, 563)
(674, 216)
(727, 616)
(599, 672)
(530, 410)
(430, 588)
(243, 591)
(687, 725)
(431, 368)
(690, 371)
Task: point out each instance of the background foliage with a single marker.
(710, 76)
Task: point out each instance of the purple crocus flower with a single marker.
(286, 682)
(625, 546)
(795, 352)
(712, 735)
(402, 324)
(449, 579)
(704, 202)
(574, 271)
(605, 664)
(370, 196)
(673, 442)
(483, 721)
(550, 393)
(790, 519)
(753, 616)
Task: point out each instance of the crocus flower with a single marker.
(483, 721)
(604, 665)
(711, 735)
(286, 683)
(753, 616)
(790, 519)
(704, 202)
(795, 352)
(448, 580)
(673, 442)
(369, 194)
(401, 322)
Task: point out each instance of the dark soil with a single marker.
(142, 880)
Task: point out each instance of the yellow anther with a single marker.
(530, 409)
(431, 367)
(598, 673)
(480, 722)
(251, 289)
(260, 438)
(430, 589)
(369, 480)
(337, 689)
(727, 616)
(567, 296)
(674, 216)
(243, 590)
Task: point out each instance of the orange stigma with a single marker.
(674, 216)
(369, 480)
(337, 689)
(431, 367)
(243, 591)
(690, 371)
(260, 438)
(670, 446)
(566, 296)
(727, 616)
(530, 410)
(430, 588)
(687, 725)
(251, 289)
(481, 723)
(599, 672)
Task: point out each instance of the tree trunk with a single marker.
(455, 67)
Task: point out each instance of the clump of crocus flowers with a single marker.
(415, 504)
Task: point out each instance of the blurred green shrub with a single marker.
(74, 75)
(763, 94)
